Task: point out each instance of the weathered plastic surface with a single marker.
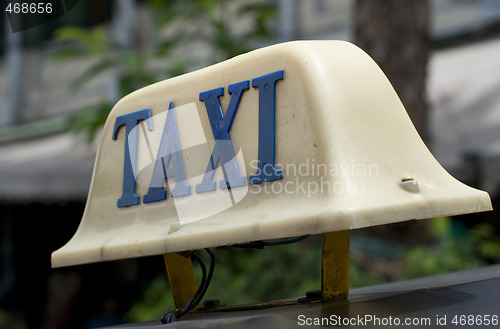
(338, 132)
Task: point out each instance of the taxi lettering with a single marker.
(169, 163)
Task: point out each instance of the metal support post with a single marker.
(181, 278)
(335, 266)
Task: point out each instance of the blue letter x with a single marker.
(223, 150)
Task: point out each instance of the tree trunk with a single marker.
(394, 34)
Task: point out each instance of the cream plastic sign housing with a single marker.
(298, 138)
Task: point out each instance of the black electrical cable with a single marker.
(169, 317)
(204, 287)
(176, 314)
(269, 243)
(287, 241)
(192, 302)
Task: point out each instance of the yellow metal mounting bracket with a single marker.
(181, 278)
(335, 266)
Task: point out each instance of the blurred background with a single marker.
(60, 78)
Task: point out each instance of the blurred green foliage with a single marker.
(178, 25)
(486, 242)
(9, 321)
(454, 249)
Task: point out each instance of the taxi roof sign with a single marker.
(298, 138)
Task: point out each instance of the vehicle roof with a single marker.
(472, 292)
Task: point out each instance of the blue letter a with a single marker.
(169, 150)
